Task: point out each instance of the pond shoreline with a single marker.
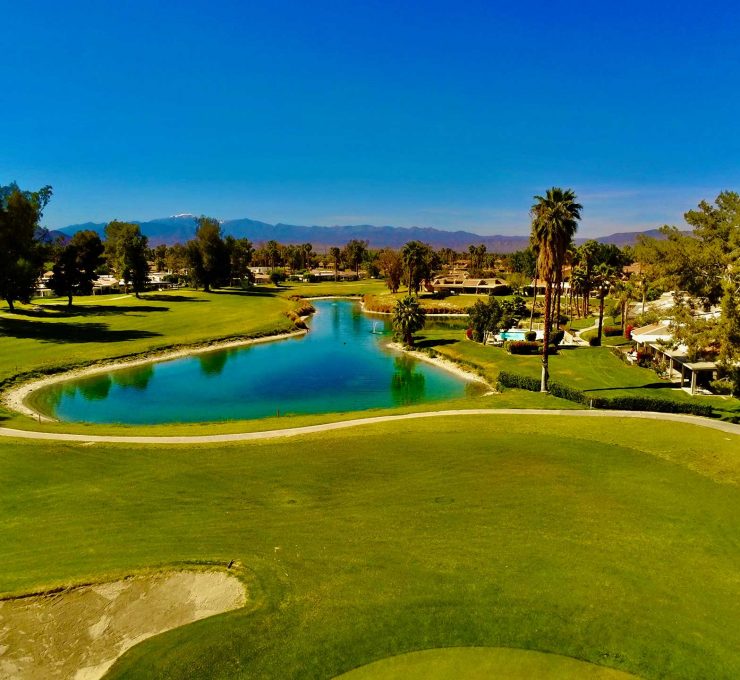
(15, 397)
(445, 364)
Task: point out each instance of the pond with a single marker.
(342, 364)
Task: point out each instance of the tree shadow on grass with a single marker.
(426, 343)
(255, 292)
(64, 311)
(62, 332)
(158, 297)
(648, 386)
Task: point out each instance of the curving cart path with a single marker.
(729, 428)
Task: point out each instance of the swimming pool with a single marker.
(517, 334)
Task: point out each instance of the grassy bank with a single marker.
(609, 542)
(48, 335)
(595, 370)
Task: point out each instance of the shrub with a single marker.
(612, 331)
(530, 336)
(594, 341)
(557, 337)
(721, 386)
(628, 332)
(627, 403)
(522, 347)
(520, 382)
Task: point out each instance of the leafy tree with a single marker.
(390, 264)
(75, 269)
(408, 318)
(554, 223)
(277, 276)
(208, 255)
(240, 252)
(21, 253)
(485, 317)
(706, 265)
(176, 258)
(524, 262)
(354, 253)
(126, 249)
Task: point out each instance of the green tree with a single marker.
(208, 255)
(408, 318)
(705, 265)
(554, 223)
(75, 269)
(390, 264)
(272, 251)
(485, 317)
(126, 250)
(419, 261)
(240, 252)
(21, 252)
(354, 253)
(604, 276)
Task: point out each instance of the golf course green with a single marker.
(529, 543)
(612, 542)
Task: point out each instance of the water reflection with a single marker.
(134, 378)
(212, 363)
(407, 382)
(93, 389)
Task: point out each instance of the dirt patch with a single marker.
(79, 633)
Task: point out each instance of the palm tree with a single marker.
(413, 256)
(604, 275)
(335, 254)
(408, 317)
(554, 222)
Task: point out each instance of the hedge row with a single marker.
(627, 403)
(612, 331)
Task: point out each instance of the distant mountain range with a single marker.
(181, 228)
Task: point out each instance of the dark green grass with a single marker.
(48, 335)
(595, 370)
(601, 540)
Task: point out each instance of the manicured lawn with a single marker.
(47, 334)
(482, 663)
(452, 304)
(606, 541)
(594, 370)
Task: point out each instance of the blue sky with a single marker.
(442, 114)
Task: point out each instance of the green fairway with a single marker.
(47, 335)
(605, 541)
(482, 663)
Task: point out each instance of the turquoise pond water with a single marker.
(342, 364)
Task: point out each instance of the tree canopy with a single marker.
(74, 270)
(21, 254)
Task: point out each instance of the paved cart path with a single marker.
(358, 422)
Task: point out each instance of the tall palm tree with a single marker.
(413, 254)
(604, 276)
(335, 254)
(554, 222)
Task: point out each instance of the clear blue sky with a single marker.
(443, 114)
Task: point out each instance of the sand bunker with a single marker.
(79, 633)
